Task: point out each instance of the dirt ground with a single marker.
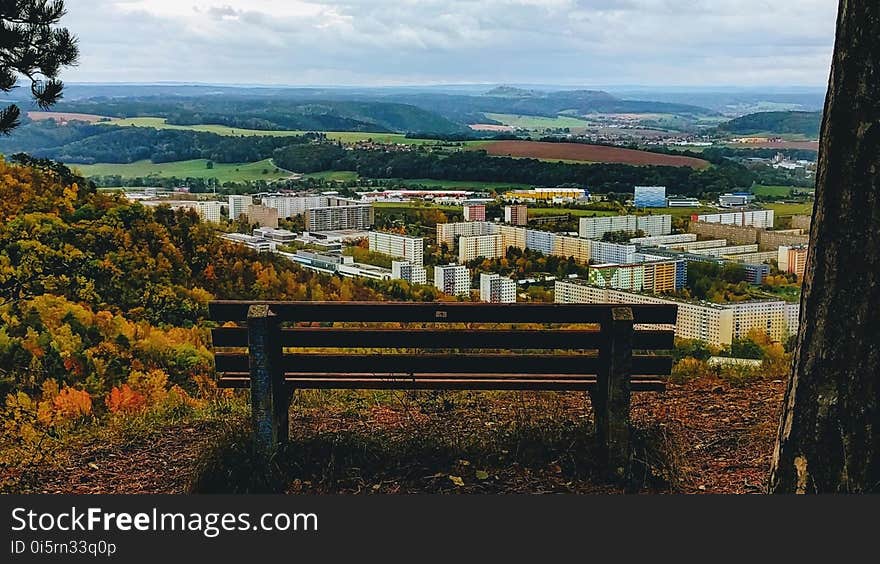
(706, 436)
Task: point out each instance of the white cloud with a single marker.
(406, 41)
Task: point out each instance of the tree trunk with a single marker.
(829, 432)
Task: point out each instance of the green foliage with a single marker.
(34, 47)
(805, 123)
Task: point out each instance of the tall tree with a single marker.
(829, 433)
(34, 47)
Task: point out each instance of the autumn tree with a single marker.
(829, 433)
(34, 47)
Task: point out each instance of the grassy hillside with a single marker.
(196, 168)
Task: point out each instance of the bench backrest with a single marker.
(543, 355)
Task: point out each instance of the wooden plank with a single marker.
(439, 312)
(445, 363)
(579, 384)
(316, 337)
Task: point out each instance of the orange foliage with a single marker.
(123, 399)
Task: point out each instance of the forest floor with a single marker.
(704, 436)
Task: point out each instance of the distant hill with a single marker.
(804, 123)
(269, 113)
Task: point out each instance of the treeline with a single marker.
(478, 166)
(129, 144)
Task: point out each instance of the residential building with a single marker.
(793, 259)
(410, 248)
(722, 251)
(486, 246)
(663, 240)
(447, 232)
(210, 211)
(735, 200)
(289, 206)
(602, 252)
(650, 225)
(497, 289)
(718, 324)
(406, 270)
(770, 240)
(649, 197)
(801, 222)
(695, 245)
(262, 216)
(762, 219)
(238, 205)
(452, 279)
(734, 234)
(474, 212)
(653, 277)
(340, 215)
(576, 247)
(756, 258)
(516, 214)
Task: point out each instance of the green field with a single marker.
(415, 206)
(537, 122)
(786, 210)
(188, 169)
(344, 136)
(777, 191)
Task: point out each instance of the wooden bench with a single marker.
(444, 350)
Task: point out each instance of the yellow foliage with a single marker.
(123, 399)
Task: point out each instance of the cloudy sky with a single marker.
(386, 42)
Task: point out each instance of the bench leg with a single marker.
(611, 396)
(270, 396)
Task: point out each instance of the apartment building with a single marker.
(725, 250)
(714, 323)
(695, 245)
(771, 240)
(602, 252)
(209, 211)
(406, 270)
(238, 205)
(756, 258)
(650, 225)
(762, 219)
(649, 196)
(452, 279)
(474, 212)
(662, 240)
(516, 215)
(340, 215)
(289, 206)
(653, 277)
(576, 247)
(497, 289)
(801, 222)
(447, 232)
(735, 234)
(793, 259)
(486, 246)
(262, 216)
(410, 248)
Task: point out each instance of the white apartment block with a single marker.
(762, 219)
(722, 251)
(289, 206)
(602, 252)
(497, 289)
(238, 205)
(694, 245)
(339, 217)
(714, 323)
(486, 246)
(447, 232)
(664, 240)
(412, 273)
(453, 280)
(410, 248)
(650, 225)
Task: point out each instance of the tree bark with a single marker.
(829, 432)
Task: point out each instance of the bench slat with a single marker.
(449, 312)
(441, 338)
(450, 382)
(444, 363)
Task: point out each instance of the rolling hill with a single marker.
(802, 123)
